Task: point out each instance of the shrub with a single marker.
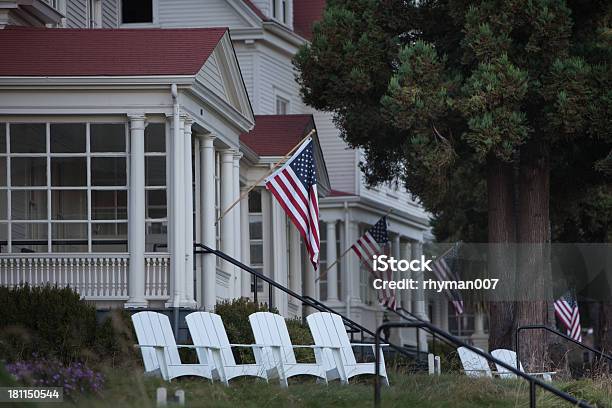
(235, 315)
(74, 379)
(46, 320)
(300, 334)
(56, 323)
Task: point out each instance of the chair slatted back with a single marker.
(271, 329)
(508, 357)
(207, 329)
(474, 364)
(154, 329)
(328, 330)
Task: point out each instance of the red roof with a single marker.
(305, 14)
(105, 52)
(338, 193)
(275, 135)
(256, 10)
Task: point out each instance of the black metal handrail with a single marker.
(413, 317)
(207, 250)
(533, 382)
(558, 333)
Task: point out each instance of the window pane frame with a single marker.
(46, 222)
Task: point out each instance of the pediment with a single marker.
(221, 75)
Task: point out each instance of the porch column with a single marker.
(245, 252)
(353, 266)
(236, 216)
(479, 337)
(309, 282)
(418, 304)
(136, 213)
(279, 256)
(408, 335)
(177, 218)
(397, 275)
(207, 220)
(397, 334)
(188, 187)
(227, 222)
(332, 256)
(444, 315)
(406, 294)
(295, 264)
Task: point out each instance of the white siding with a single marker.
(391, 196)
(211, 77)
(264, 5)
(245, 60)
(109, 13)
(76, 13)
(276, 74)
(198, 13)
(341, 161)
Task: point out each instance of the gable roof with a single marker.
(106, 52)
(305, 14)
(256, 10)
(275, 135)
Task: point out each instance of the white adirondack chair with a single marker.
(159, 349)
(207, 330)
(339, 362)
(474, 364)
(277, 356)
(509, 357)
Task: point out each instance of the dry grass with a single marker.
(131, 389)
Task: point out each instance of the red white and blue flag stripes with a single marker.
(566, 309)
(376, 242)
(295, 187)
(443, 272)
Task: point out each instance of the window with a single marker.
(324, 241)
(67, 190)
(282, 106)
(156, 207)
(136, 11)
(256, 237)
(281, 10)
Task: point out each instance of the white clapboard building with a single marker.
(126, 127)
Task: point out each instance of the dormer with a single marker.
(280, 11)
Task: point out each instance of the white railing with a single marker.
(93, 276)
(157, 276)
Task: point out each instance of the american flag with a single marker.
(295, 187)
(566, 309)
(440, 267)
(376, 242)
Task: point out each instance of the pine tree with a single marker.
(479, 108)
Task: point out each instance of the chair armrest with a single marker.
(252, 345)
(315, 346)
(149, 346)
(192, 346)
(369, 344)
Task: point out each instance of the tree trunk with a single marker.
(605, 332)
(534, 283)
(501, 254)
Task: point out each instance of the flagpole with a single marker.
(270, 171)
(324, 273)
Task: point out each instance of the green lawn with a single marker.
(132, 389)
